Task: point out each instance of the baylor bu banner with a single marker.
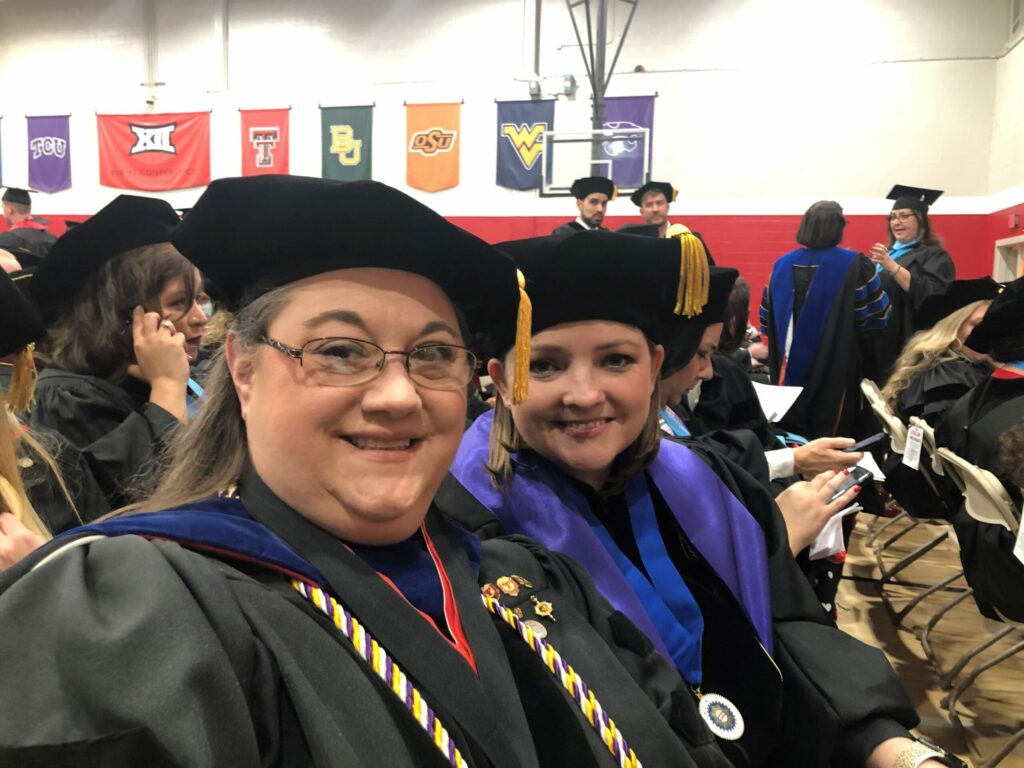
(346, 143)
(154, 152)
(264, 141)
(432, 146)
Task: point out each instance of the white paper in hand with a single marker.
(830, 540)
(775, 400)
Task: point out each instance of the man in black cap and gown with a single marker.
(592, 194)
(24, 231)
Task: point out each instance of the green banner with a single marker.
(346, 141)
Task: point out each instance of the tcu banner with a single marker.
(264, 141)
(521, 124)
(432, 146)
(154, 152)
(346, 143)
(628, 156)
(49, 153)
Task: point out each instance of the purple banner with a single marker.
(49, 153)
(627, 155)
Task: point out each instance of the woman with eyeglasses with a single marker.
(119, 303)
(912, 267)
(301, 600)
(690, 548)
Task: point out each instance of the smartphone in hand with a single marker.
(857, 476)
(867, 441)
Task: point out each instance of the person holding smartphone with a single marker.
(120, 307)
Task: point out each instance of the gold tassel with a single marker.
(23, 381)
(524, 325)
(694, 275)
(615, 193)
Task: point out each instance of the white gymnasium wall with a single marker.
(764, 105)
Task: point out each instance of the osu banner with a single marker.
(521, 124)
(264, 141)
(346, 142)
(49, 153)
(627, 156)
(432, 146)
(154, 152)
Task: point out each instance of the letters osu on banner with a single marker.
(154, 152)
(264, 141)
(346, 143)
(432, 146)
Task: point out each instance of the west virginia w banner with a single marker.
(521, 124)
(154, 152)
(432, 146)
(264, 141)
(346, 143)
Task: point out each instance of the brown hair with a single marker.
(1011, 453)
(737, 316)
(822, 225)
(93, 335)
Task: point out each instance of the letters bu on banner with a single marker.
(346, 143)
(521, 126)
(432, 146)
(628, 156)
(264, 141)
(49, 153)
(154, 152)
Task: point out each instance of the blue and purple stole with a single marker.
(543, 503)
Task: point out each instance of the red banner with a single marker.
(264, 141)
(154, 152)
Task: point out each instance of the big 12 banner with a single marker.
(154, 152)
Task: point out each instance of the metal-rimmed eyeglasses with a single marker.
(338, 361)
(900, 216)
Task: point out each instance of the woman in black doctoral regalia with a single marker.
(912, 267)
(972, 429)
(581, 466)
(120, 308)
(302, 601)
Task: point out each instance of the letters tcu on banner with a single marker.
(432, 146)
(346, 143)
(49, 153)
(628, 156)
(154, 152)
(520, 149)
(264, 141)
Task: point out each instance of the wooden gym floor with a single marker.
(989, 711)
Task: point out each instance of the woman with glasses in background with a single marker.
(119, 303)
(912, 267)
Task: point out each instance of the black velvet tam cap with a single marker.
(591, 184)
(251, 235)
(15, 195)
(642, 230)
(682, 335)
(19, 323)
(1004, 319)
(654, 186)
(600, 276)
(128, 222)
(959, 294)
(914, 198)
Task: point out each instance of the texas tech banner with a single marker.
(346, 143)
(521, 124)
(49, 153)
(432, 146)
(154, 152)
(264, 141)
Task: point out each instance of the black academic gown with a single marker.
(931, 272)
(568, 228)
(838, 698)
(931, 392)
(37, 242)
(971, 429)
(114, 426)
(171, 657)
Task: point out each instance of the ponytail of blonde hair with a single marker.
(12, 493)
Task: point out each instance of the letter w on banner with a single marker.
(264, 141)
(154, 152)
(49, 153)
(521, 124)
(432, 146)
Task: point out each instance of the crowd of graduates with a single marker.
(260, 506)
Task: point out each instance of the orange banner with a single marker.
(432, 146)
